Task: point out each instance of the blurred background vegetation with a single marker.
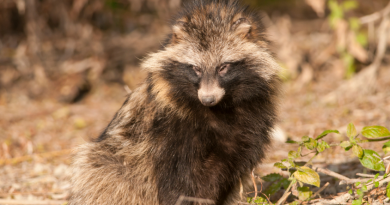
(43, 39)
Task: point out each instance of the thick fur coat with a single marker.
(198, 125)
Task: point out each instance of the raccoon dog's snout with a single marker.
(210, 93)
(208, 100)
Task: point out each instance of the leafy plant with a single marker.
(301, 174)
(353, 32)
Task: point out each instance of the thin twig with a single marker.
(311, 159)
(128, 90)
(286, 193)
(284, 197)
(320, 190)
(261, 186)
(352, 181)
(269, 201)
(386, 157)
(254, 183)
(241, 189)
(193, 199)
(342, 199)
(331, 173)
(260, 192)
(381, 49)
(375, 16)
(365, 175)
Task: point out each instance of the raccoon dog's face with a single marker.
(216, 55)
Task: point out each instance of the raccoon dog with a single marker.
(197, 126)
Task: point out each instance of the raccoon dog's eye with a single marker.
(197, 70)
(223, 69)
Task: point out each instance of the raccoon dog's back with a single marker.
(197, 126)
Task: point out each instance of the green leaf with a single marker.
(357, 183)
(326, 132)
(305, 139)
(350, 191)
(350, 4)
(299, 151)
(358, 151)
(345, 144)
(351, 130)
(362, 39)
(322, 146)
(364, 188)
(304, 193)
(359, 192)
(376, 184)
(312, 144)
(357, 202)
(291, 162)
(372, 162)
(280, 165)
(285, 183)
(388, 190)
(293, 154)
(259, 200)
(354, 23)
(375, 132)
(336, 13)
(376, 176)
(349, 63)
(308, 176)
(272, 177)
(273, 188)
(333, 5)
(386, 147)
(292, 142)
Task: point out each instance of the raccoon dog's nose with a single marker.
(208, 100)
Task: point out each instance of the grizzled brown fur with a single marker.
(197, 126)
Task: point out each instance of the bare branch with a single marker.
(193, 199)
(331, 173)
(342, 199)
(284, 197)
(375, 16)
(254, 183)
(321, 189)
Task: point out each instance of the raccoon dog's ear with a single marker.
(242, 27)
(178, 31)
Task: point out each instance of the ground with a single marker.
(43, 119)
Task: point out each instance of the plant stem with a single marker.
(311, 159)
(308, 154)
(286, 193)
